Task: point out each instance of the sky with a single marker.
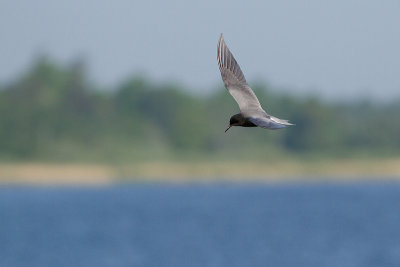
(343, 49)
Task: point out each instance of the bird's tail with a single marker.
(280, 121)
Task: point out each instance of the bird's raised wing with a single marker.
(234, 79)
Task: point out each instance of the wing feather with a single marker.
(234, 79)
(267, 123)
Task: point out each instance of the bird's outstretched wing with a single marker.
(234, 79)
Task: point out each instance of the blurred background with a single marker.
(123, 83)
(100, 92)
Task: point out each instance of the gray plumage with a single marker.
(251, 113)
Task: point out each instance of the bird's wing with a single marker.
(269, 122)
(234, 79)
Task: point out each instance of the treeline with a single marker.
(52, 112)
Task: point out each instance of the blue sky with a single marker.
(341, 49)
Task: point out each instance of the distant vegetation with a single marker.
(52, 112)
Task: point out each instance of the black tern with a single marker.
(251, 113)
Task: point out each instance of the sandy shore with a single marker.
(103, 174)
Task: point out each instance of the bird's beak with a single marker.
(228, 128)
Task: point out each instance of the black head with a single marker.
(235, 120)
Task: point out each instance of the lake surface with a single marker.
(201, 225)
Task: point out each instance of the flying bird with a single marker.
(251, 113)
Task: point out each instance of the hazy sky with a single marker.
(336, 49)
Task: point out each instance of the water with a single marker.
(201, 225)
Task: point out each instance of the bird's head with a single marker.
(235, 120)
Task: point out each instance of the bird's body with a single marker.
(251, 113)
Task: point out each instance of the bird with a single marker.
(251, 113)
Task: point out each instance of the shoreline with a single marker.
(41, 173)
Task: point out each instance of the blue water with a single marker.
(201, 225)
